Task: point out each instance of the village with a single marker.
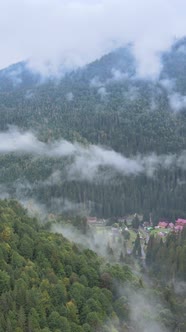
(136, 222)
(125, 230)
(119, 238)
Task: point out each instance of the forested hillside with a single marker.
(50, 284)
(105, 104)
(93, 166)
(168, 259)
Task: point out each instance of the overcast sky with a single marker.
(75, 32)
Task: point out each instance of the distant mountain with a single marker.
(122, 59)
(18, 76)
(21, 75)
(174, 65)
(103, 103)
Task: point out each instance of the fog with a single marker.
(145, 306)
(146, 311)
(177, 101)
(69, 96)
(75, 32)
(88, 162)
(102, 92)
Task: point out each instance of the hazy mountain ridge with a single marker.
(105, 104)
(122, 59)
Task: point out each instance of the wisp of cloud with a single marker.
(86, 162)
(74, 33)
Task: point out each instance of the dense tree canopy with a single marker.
(50, 284)
(133, 117)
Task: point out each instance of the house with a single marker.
(181, 222)
(171, 225)
(115, 231)
(122, 219)
(161, 234)
(163, 224)
(92, 220)
(101, 222)
(96, 222)
(178, 228)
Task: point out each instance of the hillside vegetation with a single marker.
(102, 104)
(50, 284)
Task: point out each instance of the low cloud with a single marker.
(24, 191)
(15, 77)
(34, 208)
(69, 96)
(103, 93)
(118, 75)
(29, 94)
(182, 49)
(15, 141)
(58, 205)
(177, 101)
(3, 192)
(96, 83)
(96, 241)
(131, 94)
(147, 312)
(87, 162)
(167, 84)
(63, 205)
(74, 33)
(180, 288)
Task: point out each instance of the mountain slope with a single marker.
(50, 284)
(103, 104)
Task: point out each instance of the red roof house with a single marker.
(178, 228)
(163, 224)
(181, 222)
(92, 220)
(171, 225)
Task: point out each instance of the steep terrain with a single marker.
(99, 141)
(101, 104)
(50, 284)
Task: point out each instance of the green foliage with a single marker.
(4, 281)
(46, 283)
(38, 293)
(49, 284)
(168, 259)
(135, 222)
(137, 247)
(124, 121)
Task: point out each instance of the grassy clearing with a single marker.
(160, 230)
